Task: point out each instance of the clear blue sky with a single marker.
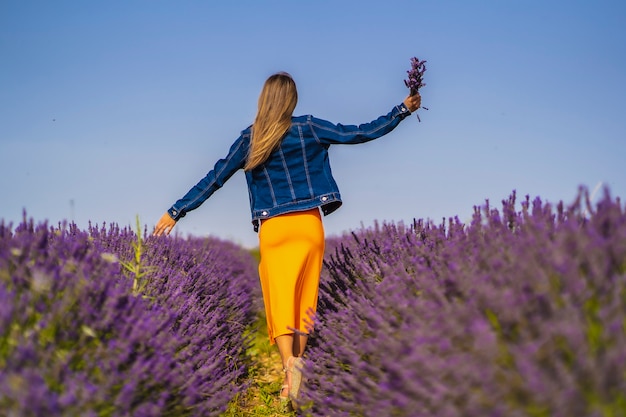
(113, 109)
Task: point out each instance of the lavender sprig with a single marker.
(415, 81)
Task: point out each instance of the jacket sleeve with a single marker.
(214, 180)
(330, 133)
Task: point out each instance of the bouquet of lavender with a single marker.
(415, 81)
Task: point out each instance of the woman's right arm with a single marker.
(331, 133)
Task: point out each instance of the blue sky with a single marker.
(112, 110)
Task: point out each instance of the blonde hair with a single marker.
(277, 101)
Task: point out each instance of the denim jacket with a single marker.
(297, 174)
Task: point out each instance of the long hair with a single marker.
(277, 101)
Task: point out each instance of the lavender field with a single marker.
(519, 312)
(104, 323)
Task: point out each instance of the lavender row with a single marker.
(518, 313)
(76, 338)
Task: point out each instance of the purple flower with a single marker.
(416, 75)
(74, 340)
(516, 313)
(415, 79)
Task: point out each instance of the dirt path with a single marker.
(261, 399)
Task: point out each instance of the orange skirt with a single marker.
(292, 250)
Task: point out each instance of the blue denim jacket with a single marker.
(297, 174)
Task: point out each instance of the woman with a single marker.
(285, 159)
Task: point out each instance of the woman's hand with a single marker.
(413, 102)
(165, 225)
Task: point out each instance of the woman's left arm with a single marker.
(199, 193)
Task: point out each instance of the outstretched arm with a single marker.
(215, 179)
(330, 133)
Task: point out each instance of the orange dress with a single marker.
(292, 250)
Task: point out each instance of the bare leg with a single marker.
(285, 348)
(295, 377)
(299, 344)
